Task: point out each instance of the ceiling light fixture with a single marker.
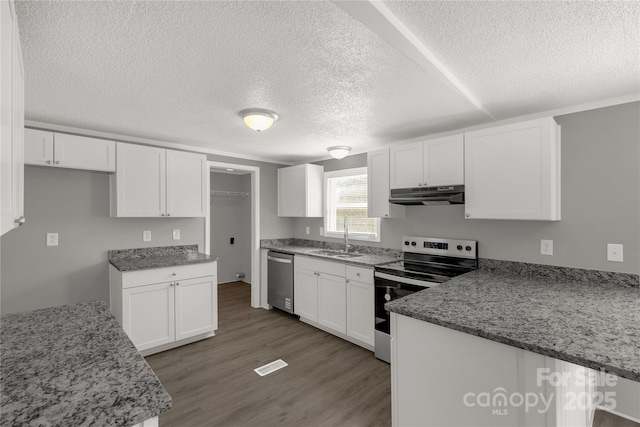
(258, 119)
(339, 151)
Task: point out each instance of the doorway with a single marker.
(251, 197)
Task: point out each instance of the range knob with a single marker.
(468, 248)
(406, 243)
(459, 247)
(413, 243)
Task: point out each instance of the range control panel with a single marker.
(437, 246)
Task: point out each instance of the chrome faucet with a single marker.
(346, 234)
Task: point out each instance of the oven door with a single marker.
(388, 288)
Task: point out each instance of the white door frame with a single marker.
(255, 223)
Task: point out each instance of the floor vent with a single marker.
(270, 367)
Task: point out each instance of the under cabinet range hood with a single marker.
(443, 195)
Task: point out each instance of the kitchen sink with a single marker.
(336, 253)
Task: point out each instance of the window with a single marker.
(346, 195)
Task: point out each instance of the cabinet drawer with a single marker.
(360, 274)
(168, 274)
(328, 267)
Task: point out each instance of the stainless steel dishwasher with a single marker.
(280, 281)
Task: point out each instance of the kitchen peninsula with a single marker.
(74, 365)
(510, 330)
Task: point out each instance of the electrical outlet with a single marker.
(52, 239)
(614, 252)
(307, 230)
(176, 234)
(146, 236)
(546, 247)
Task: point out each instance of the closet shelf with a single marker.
(220, 193)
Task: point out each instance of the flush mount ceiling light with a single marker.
(258, 119)
(339, 151)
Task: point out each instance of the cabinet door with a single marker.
(418, 347)
(292, 191)
(196, 307)
(406, 166)
(11, 121)
(360, 311)
(38, 147)
(444, 161)
(332, 302)
(513, 171)
(378, 187)
(148, 315)
(305, 294)
(81, 152)
(186, 184)
(140, 181)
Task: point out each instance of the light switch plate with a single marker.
(176, 234)
(52, 239)
(307, 231)
(614, 252)
(146, 236)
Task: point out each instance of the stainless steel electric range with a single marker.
(426, 262)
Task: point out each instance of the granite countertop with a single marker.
(74, 365)
(589, 323)
(369, 257)
(158, 257)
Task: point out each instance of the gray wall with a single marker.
(600, 201)
(231, 217)
(74, 204)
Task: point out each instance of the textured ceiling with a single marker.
(181, 71)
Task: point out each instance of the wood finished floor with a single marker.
(329, 381)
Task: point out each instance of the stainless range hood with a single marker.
(443, 195)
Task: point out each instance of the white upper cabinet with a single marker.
(513, 172)
(300, 191)
(378, 187)
(153, 182)
(428, 163)
(38, 147)
(406, 165)
(44, 148)
(444, 161)
(140, 182)
(186, 184)
(12, 121)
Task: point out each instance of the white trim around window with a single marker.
(331, 208)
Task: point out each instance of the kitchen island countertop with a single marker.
(74, 365)
(593, 324)
(157, 257)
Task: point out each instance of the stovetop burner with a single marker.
(433, 260)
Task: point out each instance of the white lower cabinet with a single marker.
(305, 291)
(332, 304)
(149, 315)
(195, 303)
(335, 297)
(160, 315)
(442, 377)
(360, 311)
